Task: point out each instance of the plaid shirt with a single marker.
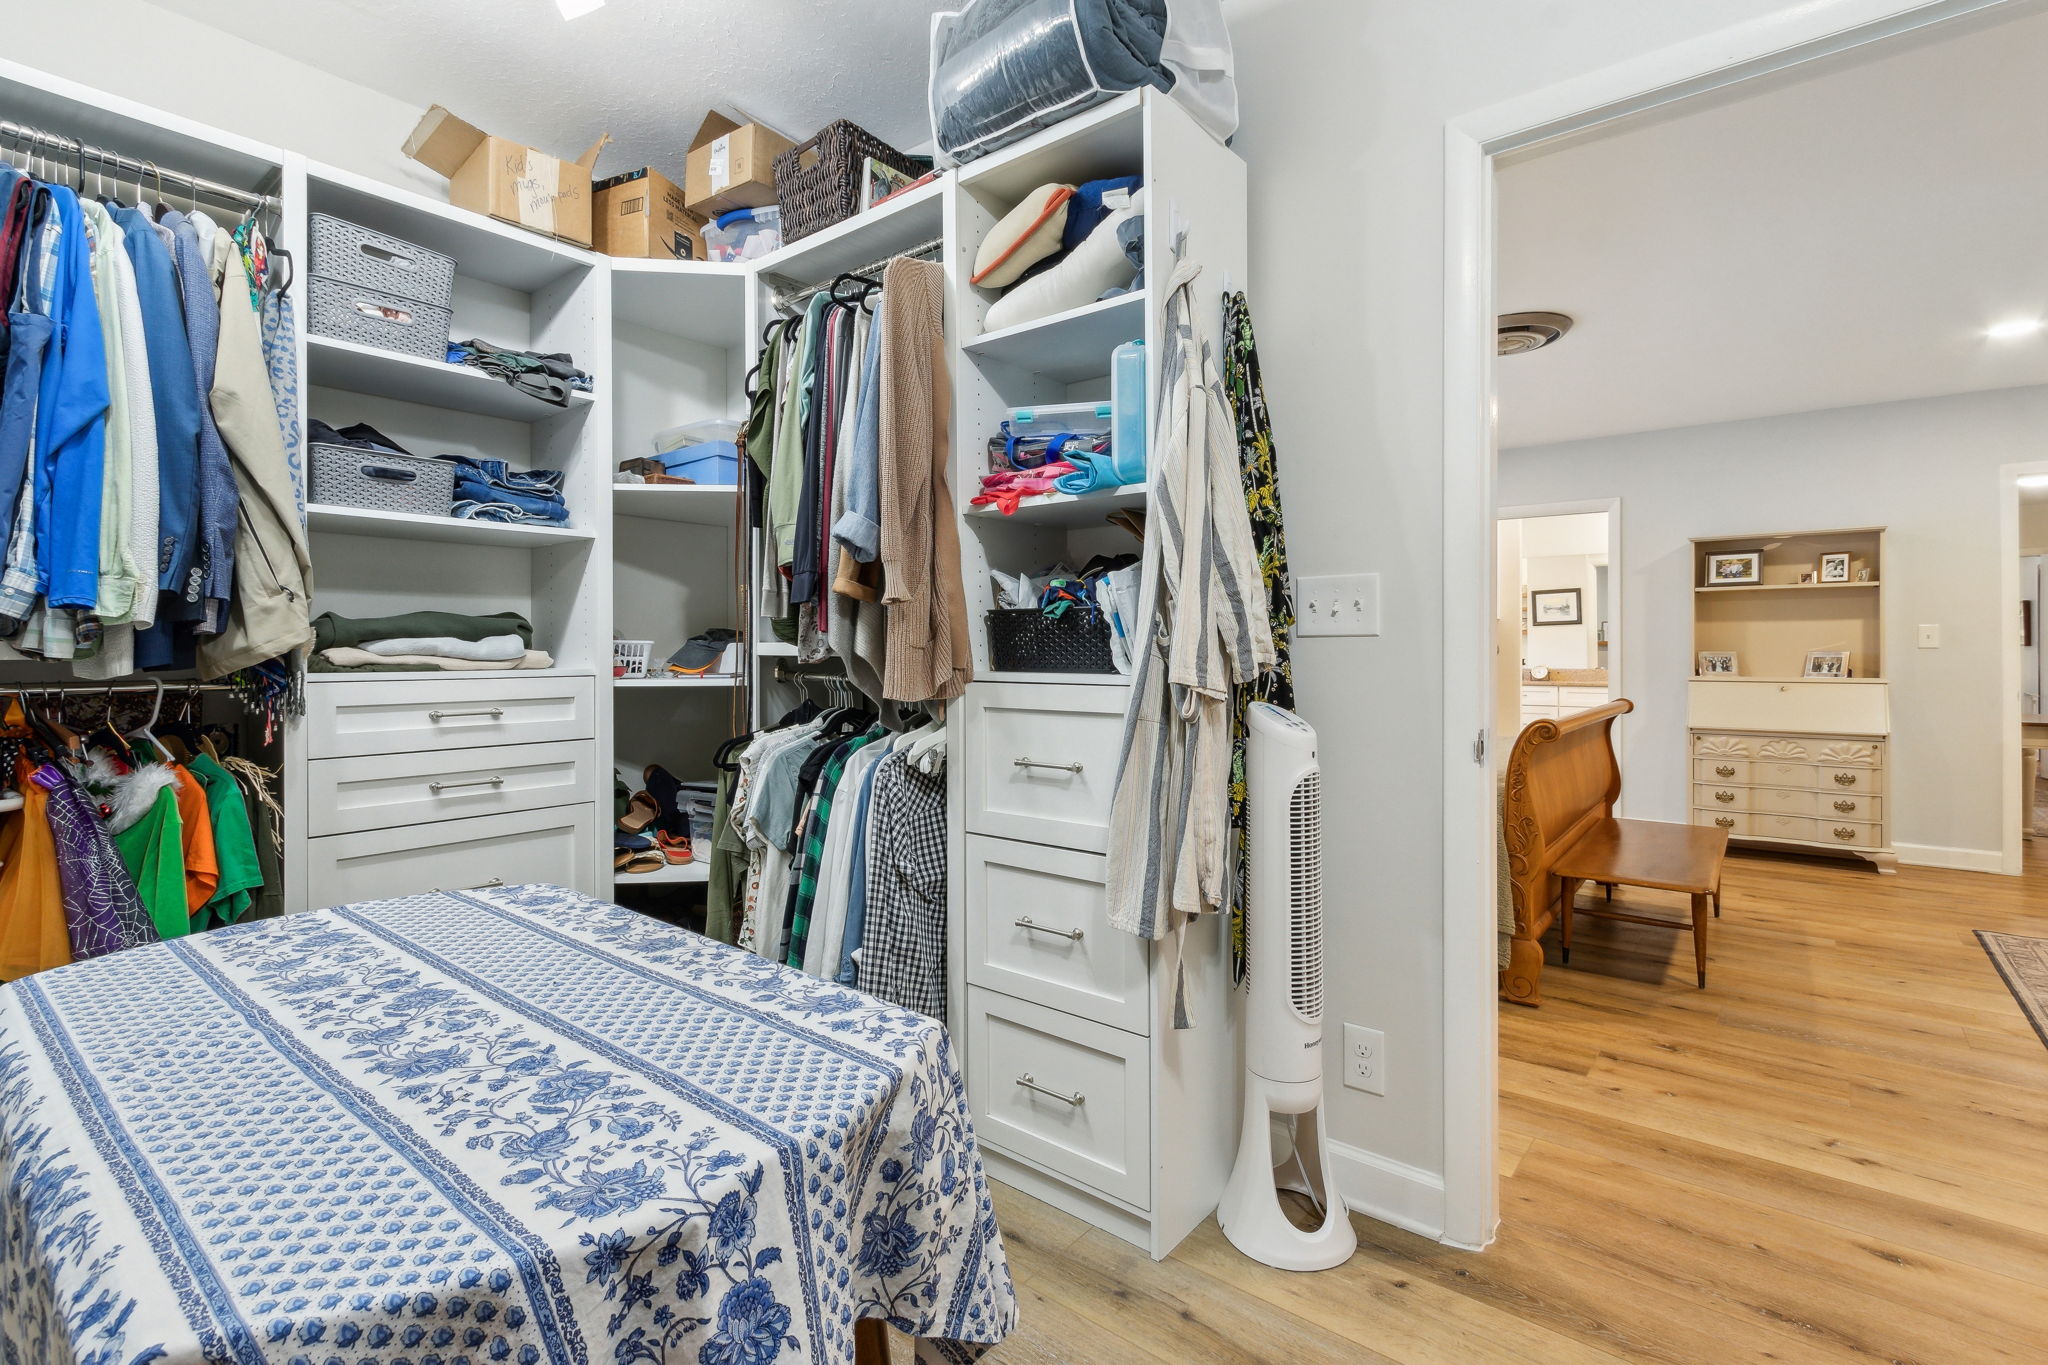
(812, 854)
(903, 942)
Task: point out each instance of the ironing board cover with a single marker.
(518, 1125)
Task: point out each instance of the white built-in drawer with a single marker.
(1570, 699)
(1781, 826)
(345, 719)
(378, 791)
(1834, 805)
(1532, 714)
(1038, 927)
(1735, 822)
(1713, 797)
(1720, 770)
(552, 845)
(1068, 1093)
(1041, 762)
(1786, 800)
(1867, 780)
(1539, 696)
(1765, 773)
(1848, 833)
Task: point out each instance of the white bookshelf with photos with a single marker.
(1788, 710)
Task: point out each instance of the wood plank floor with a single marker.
(1837, 1152)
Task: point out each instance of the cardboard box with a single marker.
(641, 214)
(510, 182)
(731, 165)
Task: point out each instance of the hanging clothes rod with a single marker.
(795, 299)
(102, 689)
(36, 142)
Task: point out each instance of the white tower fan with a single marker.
(1284, 1008)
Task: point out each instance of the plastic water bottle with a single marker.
(1127, 403)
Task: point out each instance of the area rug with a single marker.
(2023, 963)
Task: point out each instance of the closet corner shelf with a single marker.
(721, 682)
(464, 675)
(484, 248)
(1065, 509)
(675, 874)
(696, 504)
(775, 649)
(1784, 587)
(1067, 346)
(1108, 140)
(702, 301)
(368, 521)
(912, 220)
(335, 364)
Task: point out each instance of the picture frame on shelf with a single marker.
(1834, 568)
(1806, 576)
(1727, 570)
(1719, 663)
(1826, 663)
(1555, 607)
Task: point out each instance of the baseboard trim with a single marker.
(1391, 1191)
(1959, 859)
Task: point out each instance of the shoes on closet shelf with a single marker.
(674, 847)
(631, 843)
(665, 790)
(641, 812)
(639, 863)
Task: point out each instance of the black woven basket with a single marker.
(818, 182)
(1026, 640)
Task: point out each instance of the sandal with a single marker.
(640, 862)
(640, 814)
(674, 847)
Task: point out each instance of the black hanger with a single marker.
(723, 759)
(284, 286)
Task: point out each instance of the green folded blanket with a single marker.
(330, 630)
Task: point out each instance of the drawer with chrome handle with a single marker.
(1068, 1094)
(1037, 926)
(407, 713)
(1074, 768)
(384, 791)
(556, 845)
(1039, 762)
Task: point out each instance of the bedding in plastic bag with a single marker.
(1003, 69)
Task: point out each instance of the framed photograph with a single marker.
(1806, 575)
(1834, 568)
(1554, 607)
(1827, 663)
(1718, 662)
(1727, 570)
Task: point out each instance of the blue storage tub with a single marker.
(707, 462)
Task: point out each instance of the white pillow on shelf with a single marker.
(1089, 271)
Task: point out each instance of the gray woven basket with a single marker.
(354, 312)
(347, 476)
(348, 251)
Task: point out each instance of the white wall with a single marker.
(1344, 106)
(1925, 469)
(1558, 646)
(172, 63)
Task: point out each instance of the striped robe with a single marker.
(1170, 814)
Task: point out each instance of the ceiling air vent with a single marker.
(1521, 333)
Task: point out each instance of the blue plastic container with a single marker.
(1127, 407)
(707, 462)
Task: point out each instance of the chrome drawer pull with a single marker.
(1026, 922)
(1845, 806)
(1845, 779)
(1077, 1099)
(439, 787)
(494, 712)
(1844, 832)
(1035, 763)
(1724, 796)
(480, 886)
(1725, 770)
(1725, 821)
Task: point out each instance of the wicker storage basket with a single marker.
(348, 476)
(818, 182)
(371, 317)
(348, 251)
(1026, 640)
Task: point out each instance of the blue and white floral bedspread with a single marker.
(463, 1128)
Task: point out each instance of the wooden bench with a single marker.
(1557, 821)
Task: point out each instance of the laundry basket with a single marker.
(818, 182)
(630, 657)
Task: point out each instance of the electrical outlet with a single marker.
(1365, 1059)
(1337, 604)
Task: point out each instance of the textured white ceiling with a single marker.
(646, 70)
(1839, 239)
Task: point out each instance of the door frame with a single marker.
(2012, 849)
(1797, 35)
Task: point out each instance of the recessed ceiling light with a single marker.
(576, 9)
(2033, 481)
(2014, 329)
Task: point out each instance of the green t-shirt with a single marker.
(234, 844)
(153, 851)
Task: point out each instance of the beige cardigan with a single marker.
(927, 655)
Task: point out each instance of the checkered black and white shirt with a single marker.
(903, 948)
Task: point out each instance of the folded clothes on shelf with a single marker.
(491, 490)
(498, 647)
(548, 376)
(348, 659)
(1012, 486)
(330, 630)
(360, 435)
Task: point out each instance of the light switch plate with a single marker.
(1337, 604)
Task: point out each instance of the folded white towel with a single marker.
(497, 648)
(343, 656)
